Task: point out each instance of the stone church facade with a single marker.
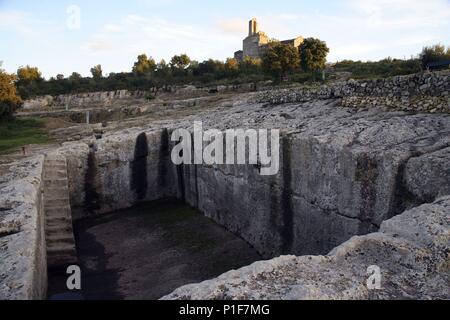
(257, 41)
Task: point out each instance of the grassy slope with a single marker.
(19, 132)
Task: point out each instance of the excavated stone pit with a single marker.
(148, 251)
(343, 172)
(377, 173)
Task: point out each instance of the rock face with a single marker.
(428, 176)
(343, 172)
(118, 171)
(23, 263)
(82, 99)
(411, 252)
(109, 98)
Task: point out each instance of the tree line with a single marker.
(279, 62)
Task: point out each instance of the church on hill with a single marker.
(256, 43)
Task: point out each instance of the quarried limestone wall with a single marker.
(342, 173)
(109, 98)
(119, 171)
(23, 263)
(81, 99)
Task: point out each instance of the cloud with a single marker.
(353, 29)
(355, 49)
(17, 21)
(394, 27)
(403, 13)
(112, 28)
(279, 26)
(233, 26)
(135, 34)
(363, 30)
(157, 3)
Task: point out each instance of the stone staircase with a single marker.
(60, 240)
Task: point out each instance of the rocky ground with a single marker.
(411, 250)
(375, 172)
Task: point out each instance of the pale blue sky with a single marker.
(114, 32)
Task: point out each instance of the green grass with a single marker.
(15, 133)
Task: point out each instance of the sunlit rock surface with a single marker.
(411, 250)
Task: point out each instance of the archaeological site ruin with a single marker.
(364, 181)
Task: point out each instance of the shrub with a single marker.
(434, 53)
(9, 99)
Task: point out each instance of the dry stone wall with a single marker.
(424, 92)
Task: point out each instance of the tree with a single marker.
(232, 66)
(214, 68)
(434, 53)
(250, 65)
(180, 62)
(75, 76)
(97, 72)
(28, 74)
(161, 65)
(60, 77)
(313, 54)
(144, 65)
(279, 59)
(9, 99)
(162, 69)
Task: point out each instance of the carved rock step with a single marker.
(58, 230)
(54, 162)
(61, 239)
(55, 201)
(55, 174)
(54, 158)
(59, 223)
(62, 255)
(55, 167)
(57, 192)
(54, 213)
(61, 249)
(59, 165)
(62, 183)
(56, 189)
